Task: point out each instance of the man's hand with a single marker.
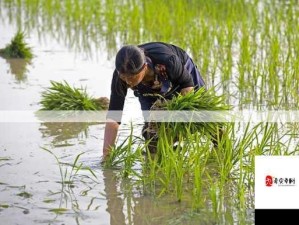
(186, 90)
(109, 137)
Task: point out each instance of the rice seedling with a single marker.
(61, 96)
(249, 47)
(120, 153)
(201, 100)
(17, 48)
(68, 177)
(232, 49)
(126, 155)
(172, 165)
(194, 168)
(72, 178)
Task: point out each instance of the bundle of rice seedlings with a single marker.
(201, 100)
(17, 48)
(61, 96)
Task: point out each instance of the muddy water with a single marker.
(31, 190)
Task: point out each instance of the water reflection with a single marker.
(61, 132)
(19, 68)
(128, 204)
(115, 203)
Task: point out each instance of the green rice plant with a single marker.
(173, 166)
(201, 100)
(172, 170)
(170, 166)
(17, 48)
(59, 165)
(119, 153)
(71, 178)
(67, 177)
(61, 96)
(150, 166)
(193, 168)
(244, 52)
(126, 155)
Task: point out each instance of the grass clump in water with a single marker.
(61, 96)
(18, 48)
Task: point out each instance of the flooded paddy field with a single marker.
(50, 172)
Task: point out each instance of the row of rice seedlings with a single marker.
(119, 16)
(171, 166)
(195, 168)
(61, 96)
(234, 162)
(180, 170)
(17, 48)
(213, 32)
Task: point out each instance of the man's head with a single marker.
(130, 63)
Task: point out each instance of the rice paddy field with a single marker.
(50, 172)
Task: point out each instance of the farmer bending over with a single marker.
(151, 70)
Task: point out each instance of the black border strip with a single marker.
(268, 216)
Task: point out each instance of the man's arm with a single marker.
(110, 134)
